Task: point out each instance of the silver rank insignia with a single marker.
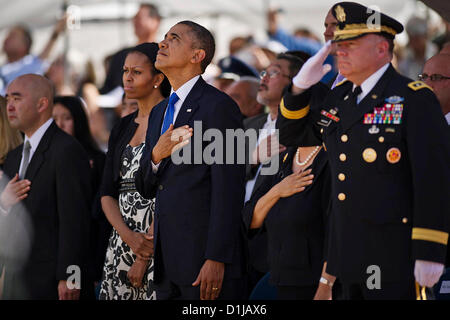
(324, 123)
(374, 129)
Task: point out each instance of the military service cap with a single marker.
(356, 20)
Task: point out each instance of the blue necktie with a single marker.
(168, 118)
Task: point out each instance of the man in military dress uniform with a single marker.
(389, 151)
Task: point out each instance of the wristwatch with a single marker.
(326, 281)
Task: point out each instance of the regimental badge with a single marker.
(340, 13)
(333, 111)
(394, 99)
(387, 114)
(329, 116)
(369, 155)
(393, 155)
(374, 129)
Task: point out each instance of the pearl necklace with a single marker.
(297, 156)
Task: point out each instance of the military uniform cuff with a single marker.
(296, 102)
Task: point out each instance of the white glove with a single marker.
(428, 273)
(313, 70)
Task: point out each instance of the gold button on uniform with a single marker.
(405, 220)
(321, 130)
(369, 155)
(341, 176)
(342, 157)
(160, 187)
(381, 139)
(341, 196)
(344, 138)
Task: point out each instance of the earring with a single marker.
(155, 86)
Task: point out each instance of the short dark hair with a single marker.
(203, 39)
(389, 40)
(152, 10)
(295, 63)
(26, 35)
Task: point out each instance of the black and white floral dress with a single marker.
(137, 213)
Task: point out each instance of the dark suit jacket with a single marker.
(198, 206)
(58, 205)
(384, 212)
(297, 225)
(257, 244)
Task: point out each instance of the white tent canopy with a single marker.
(103, 26)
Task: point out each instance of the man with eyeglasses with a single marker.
(273, 81)
(436, 74)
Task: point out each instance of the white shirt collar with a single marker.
(447, 117)
(182, 93)
(269, 122)
(35, 139)
(371, 81)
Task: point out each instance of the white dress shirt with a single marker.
(447, 117)
(370, 82)
(182, 94)
(35, 139)
(267, 129)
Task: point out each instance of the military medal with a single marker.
(369, 155)
(393, 155)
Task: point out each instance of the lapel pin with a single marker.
(188, 110)
(374, 96)
(346, 97)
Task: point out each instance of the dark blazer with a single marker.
(58, 205)
(119, 137)
(257, 244)
(386, 211)
(100, 226)
(296, 226)
(198, 206)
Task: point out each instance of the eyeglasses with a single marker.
(272, 74)
(433, 77)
